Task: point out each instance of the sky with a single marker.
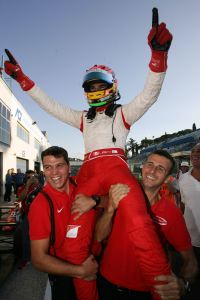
(56, 41)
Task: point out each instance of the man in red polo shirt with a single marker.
(121, 275)
(48, 256)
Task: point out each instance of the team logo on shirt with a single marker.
(72, 231)
(59, 210)
(159, 220)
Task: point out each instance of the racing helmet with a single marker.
(100, 74)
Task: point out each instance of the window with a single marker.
(37, 145)
(22, 133)
(22, 164)
(4, 124)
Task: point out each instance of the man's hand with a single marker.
(13, 69)
(159, 37)
(116, 193)
(159, 40)
(172, 289)
(89, 268)
(81, 205)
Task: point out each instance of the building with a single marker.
(21, 141)
(75, 165)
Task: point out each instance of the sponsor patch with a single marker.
(72, 231)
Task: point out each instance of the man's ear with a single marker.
(167, 178)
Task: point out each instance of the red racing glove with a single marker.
(13, 69)
(159, 40)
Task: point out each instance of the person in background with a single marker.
(189, 184)
(41, 177)
(8, 186)
(169, 189)
(184, 168)
(19, 179)
(14, 180)
(173, 185)
(31, 182)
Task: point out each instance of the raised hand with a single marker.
(11, 57)
(13, 69)
(159, 40)
(155, 17)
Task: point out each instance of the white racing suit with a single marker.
(105, 165)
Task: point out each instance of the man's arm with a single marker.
(159, 40)
(81, 205)
(104, 223)
(176, 287)
(179, 286)
(63, 113)
(84, 203)
(189, 269)
(50, 264)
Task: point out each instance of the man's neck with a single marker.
(67, 187)
(152, 194)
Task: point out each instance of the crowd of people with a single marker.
(104, 235)
(12, 182)
(15, 180)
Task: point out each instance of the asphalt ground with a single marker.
(21, 284)
(18, 284)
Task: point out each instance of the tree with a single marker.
(145, 143)
(126, 150)
(132, 146)
(194, 127)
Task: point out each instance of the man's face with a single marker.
(155, 171)
(195, 156)
(98, 86)
(56, 171)
(184, 169)
(32, 179)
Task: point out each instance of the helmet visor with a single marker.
(96, 76)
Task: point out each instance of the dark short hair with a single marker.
(29, 172)
(56, 152)
(165, 154)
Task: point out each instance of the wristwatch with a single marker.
(97, 199)
(187, 285)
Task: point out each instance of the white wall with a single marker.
(18, 147)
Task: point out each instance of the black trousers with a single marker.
(109, 291)
(62, 288)
(8, 192)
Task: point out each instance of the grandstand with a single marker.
(177, 144)
(179, 147)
